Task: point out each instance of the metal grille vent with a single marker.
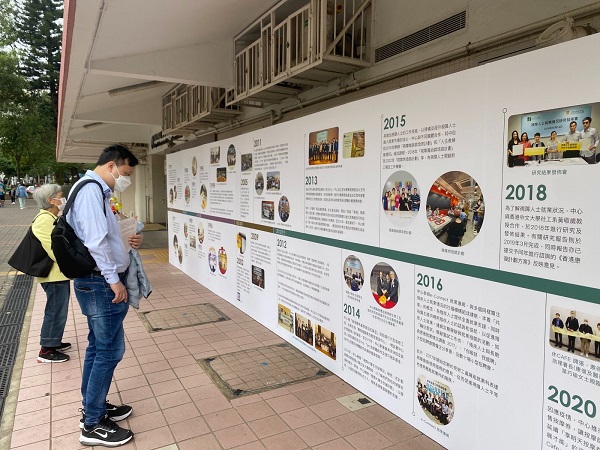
(431, 33)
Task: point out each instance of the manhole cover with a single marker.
(261, 369)
(184, 316)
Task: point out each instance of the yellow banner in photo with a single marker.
(564, 146)
(534, 151)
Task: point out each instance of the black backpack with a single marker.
(72, 256)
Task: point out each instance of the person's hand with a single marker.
(120, 292)
(135, 241)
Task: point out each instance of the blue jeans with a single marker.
(55, 314)
(106, 342)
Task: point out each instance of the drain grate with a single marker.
(184, 316)
(257, 370)
(12, 315)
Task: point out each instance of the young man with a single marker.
(558, 323)
(589, 153)
(102, 295)
(572, 324)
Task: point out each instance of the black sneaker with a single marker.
(114, 413)
(52, 356)
(63, 346)
(106, 433)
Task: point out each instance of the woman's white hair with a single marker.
(44, 192)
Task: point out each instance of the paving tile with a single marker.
(145, 422)
(35, 380)
(31, 419)
(180, 413)
(374, 415)
(68, 410)
(163, 375)
(328, 409)
(300, 417)
(418, 443)
(204, 442)
(316, 434)
(268, 426)
(29, 393)
(155, 438)
(133, 395)
(173, 399)
(235, 436)
(68, 442)
(338, 444)
(284, 441)
(347, 424)
(189, 428)
(213, 404)
(369, 438)
(35, 404)
(131, 382)
(166, 387)
(285, 403)
(254, 411)
(30, 435)
(397, 430)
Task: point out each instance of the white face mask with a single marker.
(122, 182)
(63, 203)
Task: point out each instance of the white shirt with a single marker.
(572, 137)
(591, 134)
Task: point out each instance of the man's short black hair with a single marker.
(119, 154)
(536, 134)
(589, 119)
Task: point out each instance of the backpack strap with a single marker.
(74, 192)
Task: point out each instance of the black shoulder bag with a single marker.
(30, 256)
(72, 256)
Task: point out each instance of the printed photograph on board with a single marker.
(246, 162)
(171, 196)
(194, 166)
(384, 285)
(325, 341)
(259, 183)
(436, 400)
(323, 146)
(556, 137)
(200, 233)
(212, 259)
(175, 244)
(267, 210)
(284, 318)
(401, 198)
(222, 260)
(258, 276)
(231, 156)
(192, 241)
(577, 332)
(304, 329)
(203, 196)
(273, 181)
(185, 229)
(354, 144)
(284, 209)
(222, 175)
(180, 254)
(455, 209)
(241, 243)
(215, 155)
(354, 274)
(186, 195)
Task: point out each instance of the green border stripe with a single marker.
(584, 293)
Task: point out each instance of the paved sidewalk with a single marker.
(177, 405)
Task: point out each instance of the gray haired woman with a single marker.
(51, 201)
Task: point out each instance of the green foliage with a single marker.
(39, 32)
(29, 75)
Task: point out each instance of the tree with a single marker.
(39, 32)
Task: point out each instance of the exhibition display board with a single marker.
(401, 243)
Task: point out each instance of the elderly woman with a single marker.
(51, 201)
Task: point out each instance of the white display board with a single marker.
(400, 243)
